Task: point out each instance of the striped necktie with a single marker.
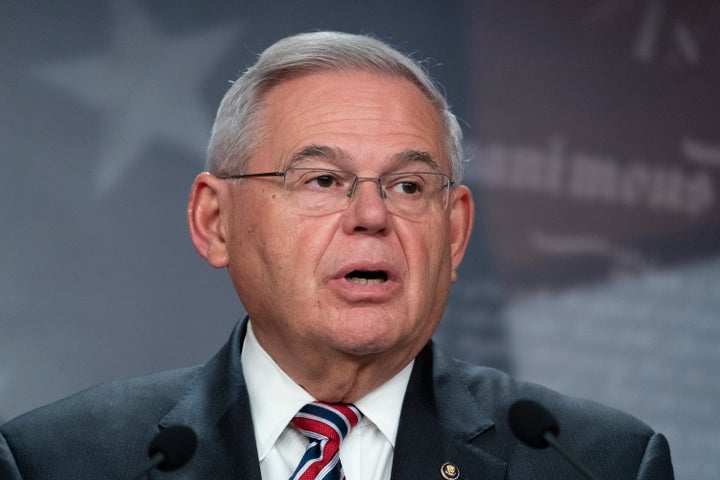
(325, 425)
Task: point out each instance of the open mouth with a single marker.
(363, 277)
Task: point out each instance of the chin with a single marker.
(369, 332)
(360, 346)
(358, 343)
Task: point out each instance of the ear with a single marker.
(205, 219)
(462, 214)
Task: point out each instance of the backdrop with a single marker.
(593, 131)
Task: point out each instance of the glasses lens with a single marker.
(319, 190)
(416, 192)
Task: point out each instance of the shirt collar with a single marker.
(275, 398)
(383, 405)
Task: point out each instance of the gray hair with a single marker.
(237, 133)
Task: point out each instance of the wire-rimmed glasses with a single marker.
(320, 190)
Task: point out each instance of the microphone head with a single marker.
(529, 421)
(177, 444)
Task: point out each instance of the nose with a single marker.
(367, 211)
(356, 183)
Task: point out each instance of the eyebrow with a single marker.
(411, 156)
(319, 151)
(335, 154)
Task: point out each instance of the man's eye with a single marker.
(323, 181)
(407, 187)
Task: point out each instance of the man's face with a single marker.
(360, 282)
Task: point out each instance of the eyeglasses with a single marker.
(320, 191)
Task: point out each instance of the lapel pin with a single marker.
(449, 471)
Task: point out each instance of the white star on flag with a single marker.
(146, 84)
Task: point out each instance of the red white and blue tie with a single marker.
(325, 425)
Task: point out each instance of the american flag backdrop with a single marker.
(593, 132)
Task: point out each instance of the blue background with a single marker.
(593, 135)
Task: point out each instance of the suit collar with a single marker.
(439, 424)
(217, 408)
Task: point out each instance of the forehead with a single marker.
(371, 116)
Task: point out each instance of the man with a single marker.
(333, 198)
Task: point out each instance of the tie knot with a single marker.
(331, 421)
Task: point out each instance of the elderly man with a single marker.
(333, 198)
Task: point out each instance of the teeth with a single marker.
(363, 277)
(365, 281)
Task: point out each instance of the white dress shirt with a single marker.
(366, 453)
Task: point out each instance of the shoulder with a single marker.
(102, 419)
(497, 391)
(611, 442)
(136, 398)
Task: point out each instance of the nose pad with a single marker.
(376, 180)
(368, 213)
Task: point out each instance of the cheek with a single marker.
(437, 274)
(253, 242)
(427, 247)
(290, 248)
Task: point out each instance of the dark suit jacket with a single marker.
(452, 412)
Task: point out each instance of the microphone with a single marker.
(536, 427)
(169, 450)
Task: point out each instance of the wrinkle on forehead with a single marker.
(348, 118)
(339, 157)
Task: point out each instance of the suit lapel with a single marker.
(218, 409)
(439, 421)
